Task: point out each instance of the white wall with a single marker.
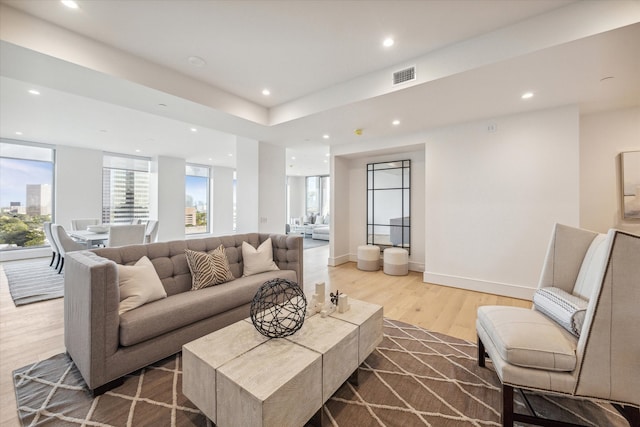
(272, 188)
(169, 173)
(247, 185)
(78, 184)
(339, 240)
(492, 199)
(296, 196)
(222, 201)
(603, 136)
(357, 202)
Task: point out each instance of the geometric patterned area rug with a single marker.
(413, 378)
(33, 280)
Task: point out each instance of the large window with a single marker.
(317, 196)
(125, 189)
(26, 193)
(196, 209)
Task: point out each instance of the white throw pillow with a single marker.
(139, 284)
(258, 260)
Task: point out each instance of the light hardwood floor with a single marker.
(36, 331)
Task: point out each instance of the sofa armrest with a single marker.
(287, 253)
(91, 320)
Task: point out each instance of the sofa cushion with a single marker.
(183, 309)
(208, 269)
(566, 309)
(138, 284)
(258, 260)
(534, 341)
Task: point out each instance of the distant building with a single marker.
(38, 199)
(125, 195)
(190, 215)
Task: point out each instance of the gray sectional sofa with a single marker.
(105, 346)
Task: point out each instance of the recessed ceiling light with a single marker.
(266, 92)
(194, 130)
(34, 92)
(196, 61)
(527, 95)
(395, 122)
(210, 159)
(327, 155)
(325, 136)
(230, 155)
(388, 42)
(137, 150)
(18, 133)
(293, 157)
(70, 4)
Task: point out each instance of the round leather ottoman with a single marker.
(396, 262)
(368, 258)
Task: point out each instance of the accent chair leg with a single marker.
(632, 414)
(481, 353)
(53, 258)
(61, 264)
(507, 406)
(57, 260)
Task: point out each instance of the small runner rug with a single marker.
(33, 280)
(413, 378)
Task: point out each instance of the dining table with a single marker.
(90, 238)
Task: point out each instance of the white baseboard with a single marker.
(332, 262)
(497, 288)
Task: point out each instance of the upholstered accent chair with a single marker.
(55, 255)
(123, 235)
(151, 232)
(64, 243)
(589, 350)
(82, 224)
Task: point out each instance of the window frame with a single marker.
(126, 157)
(208, 195)
(52, 161)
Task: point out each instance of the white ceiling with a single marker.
(316, 57)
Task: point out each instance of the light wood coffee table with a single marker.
(238, 377)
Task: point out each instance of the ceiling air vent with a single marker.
(405, 75)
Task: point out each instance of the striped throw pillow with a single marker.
(208, 269)
(566, 309)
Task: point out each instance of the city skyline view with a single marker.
(17, 173)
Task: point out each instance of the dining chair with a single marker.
(65, 244)
(151, 232)
(55, 255)
(82, 224)
(122, 235)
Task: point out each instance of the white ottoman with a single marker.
(396, 262)
(368, 258)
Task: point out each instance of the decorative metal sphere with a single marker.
(278, 308)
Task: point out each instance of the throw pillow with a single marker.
(258, 260)
(208, 269)
(566, 309)
(139, 284)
